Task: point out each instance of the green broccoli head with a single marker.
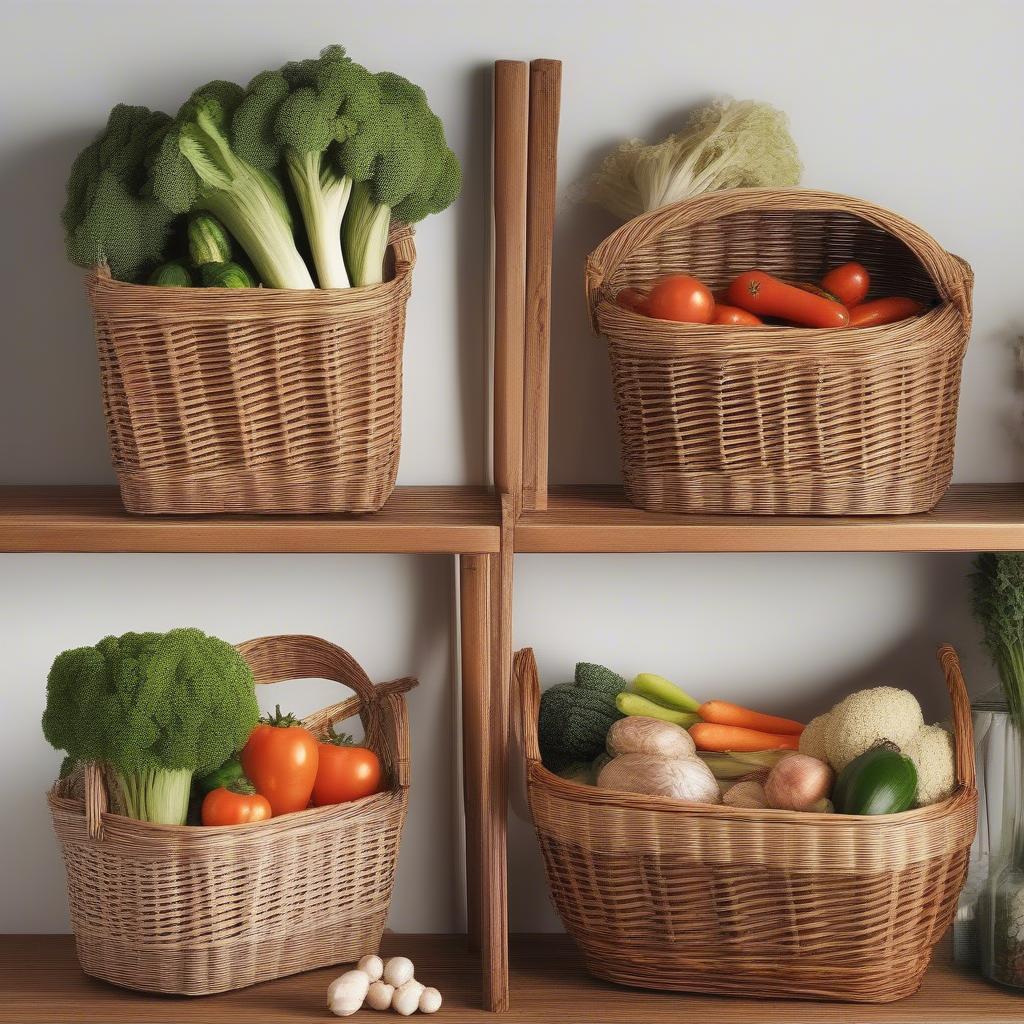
(151, 702)
(575, 717)
(108, 217)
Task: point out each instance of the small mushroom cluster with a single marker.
(381, 985)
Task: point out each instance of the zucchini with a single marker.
(224, 275)
(171, 275)
(630, 703)
(208, 242)
(880, 781)
(661, 691)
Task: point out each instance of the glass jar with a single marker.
(1000, 907)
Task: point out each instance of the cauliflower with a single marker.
(866, 718)
(931, 749)
(812, 739)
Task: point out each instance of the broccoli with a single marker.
(107, 217)
(153, 709)
(414, 174)
(309, 116)
(196, 168)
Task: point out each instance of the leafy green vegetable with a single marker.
(108, 218)
(224, 275)
(728, 144)
(208, 242)
(196, 168)
(154, 709)
(575, 717)
(171, 275)
(997, 592)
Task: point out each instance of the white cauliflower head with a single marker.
(933, 753)
(868, 717)
(812, 739)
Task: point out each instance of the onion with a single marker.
(798, 782)
(637, 734)
(686, 779)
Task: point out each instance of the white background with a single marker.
(915, 105)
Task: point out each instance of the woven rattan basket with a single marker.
(780, 419)
(187, 910)
(701, 898)
(254, 400)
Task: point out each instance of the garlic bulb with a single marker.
(687, 779)
(798, 782)
(639, 735)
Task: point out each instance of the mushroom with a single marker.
(372, 966)
(346, 994)
(398, 970)
(430, 1000)
(379, 995)
(406, 999)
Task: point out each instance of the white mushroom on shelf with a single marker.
(381, 985)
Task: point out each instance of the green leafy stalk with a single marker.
(322, 196)
(365, 236)
(157, 795)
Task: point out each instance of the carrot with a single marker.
(884, 311)
(709, 736)
(763, 295)
(721, 712)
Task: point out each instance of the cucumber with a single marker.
(230, 771)
(224, 275)
(171, 275)
(208, 241)
(660, 690)
(880, 781)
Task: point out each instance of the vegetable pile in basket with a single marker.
(755, 298)
(870, 754)
(172, 719)
(292, 181)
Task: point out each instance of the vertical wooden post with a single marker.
(545, 97)
(511, 113)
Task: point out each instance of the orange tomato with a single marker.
(848, 283)
(760, 293)
(281, 759)
(884, 311)
(733, 316)
(237, 804)
(633, 299)
(683, 299)
(345, 772)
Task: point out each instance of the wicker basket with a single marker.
(779, 419)
(266, 400)
(190, 911)
(776, 904)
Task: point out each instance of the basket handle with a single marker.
(526, 693)
(963, 729)
(400, 239)
(952, 276)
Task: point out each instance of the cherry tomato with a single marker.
(633, 299)
(848, 283)
(884, 311)
(281, 760)
(236, 804)
(733, 316)
(345, 772)
(683, 299)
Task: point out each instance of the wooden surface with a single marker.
(433, 520)
(971, 517)
(40, 983)
(511, 92)
(545, 96)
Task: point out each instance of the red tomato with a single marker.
(281, 760)
(760, 293)
(633, 299)
(884, 311)
(237, 804)
(683, 299)
(346, 772)
(733, 316)
(848, 283)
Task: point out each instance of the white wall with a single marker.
(915, 105)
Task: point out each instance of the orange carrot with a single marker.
(709, 736)
(721, 712)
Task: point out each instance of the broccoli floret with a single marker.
(154, 709)
(308, 116)
(414, 174)
(196, 168)
(107, 217)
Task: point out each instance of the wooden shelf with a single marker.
(426, 520)
(41, 984)
(971, 517)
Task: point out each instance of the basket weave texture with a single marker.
(254, 400)
(700, 898)
(778, 419)
(190, 911)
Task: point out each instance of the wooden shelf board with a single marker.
(426, 520)
(971, 517)
(40, 983)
